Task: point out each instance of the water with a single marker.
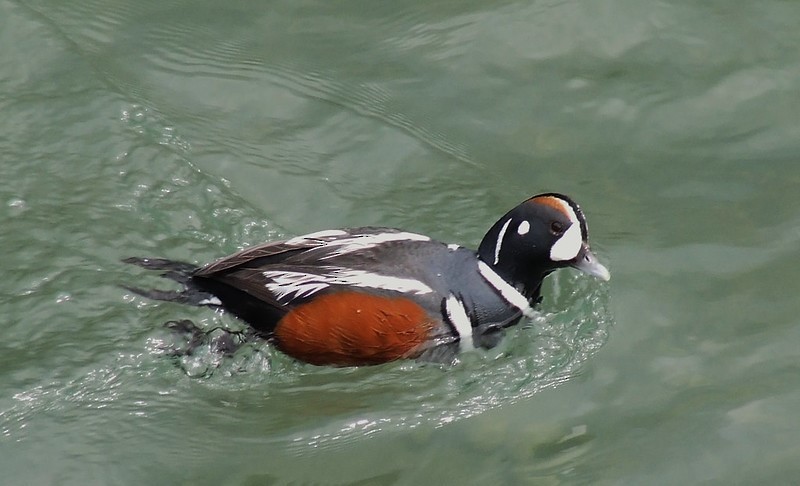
(188, 130)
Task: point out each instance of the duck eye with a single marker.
(556, 227)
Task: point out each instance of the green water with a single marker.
(190, 129)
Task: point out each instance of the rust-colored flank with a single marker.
(353, 328)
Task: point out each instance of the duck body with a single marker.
(370, 295)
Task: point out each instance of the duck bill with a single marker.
(587, 263)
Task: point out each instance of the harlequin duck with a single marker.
(363, 296)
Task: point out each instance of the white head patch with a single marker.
(523, 228)
(569, 245)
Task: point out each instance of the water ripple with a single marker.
(354, 403)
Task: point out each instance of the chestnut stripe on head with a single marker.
(554, 202)
(566, 206)
(569, 244)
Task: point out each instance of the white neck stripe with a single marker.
(500, 241)
(509, 293)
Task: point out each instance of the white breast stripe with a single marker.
(362, 242)
(458, 316)
(287, 285)
(500, 241)
(508, 292)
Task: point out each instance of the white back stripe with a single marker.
(287, 285)
(509, 293)
(500, 241)
(292, 285)
(363, 242)
(317, 236)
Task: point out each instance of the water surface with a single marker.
(188, 130)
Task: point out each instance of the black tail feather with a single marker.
(203, 291)
(180, 272)
(179, 296)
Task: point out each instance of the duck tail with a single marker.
(180, 272)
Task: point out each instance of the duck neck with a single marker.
(525, 277)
